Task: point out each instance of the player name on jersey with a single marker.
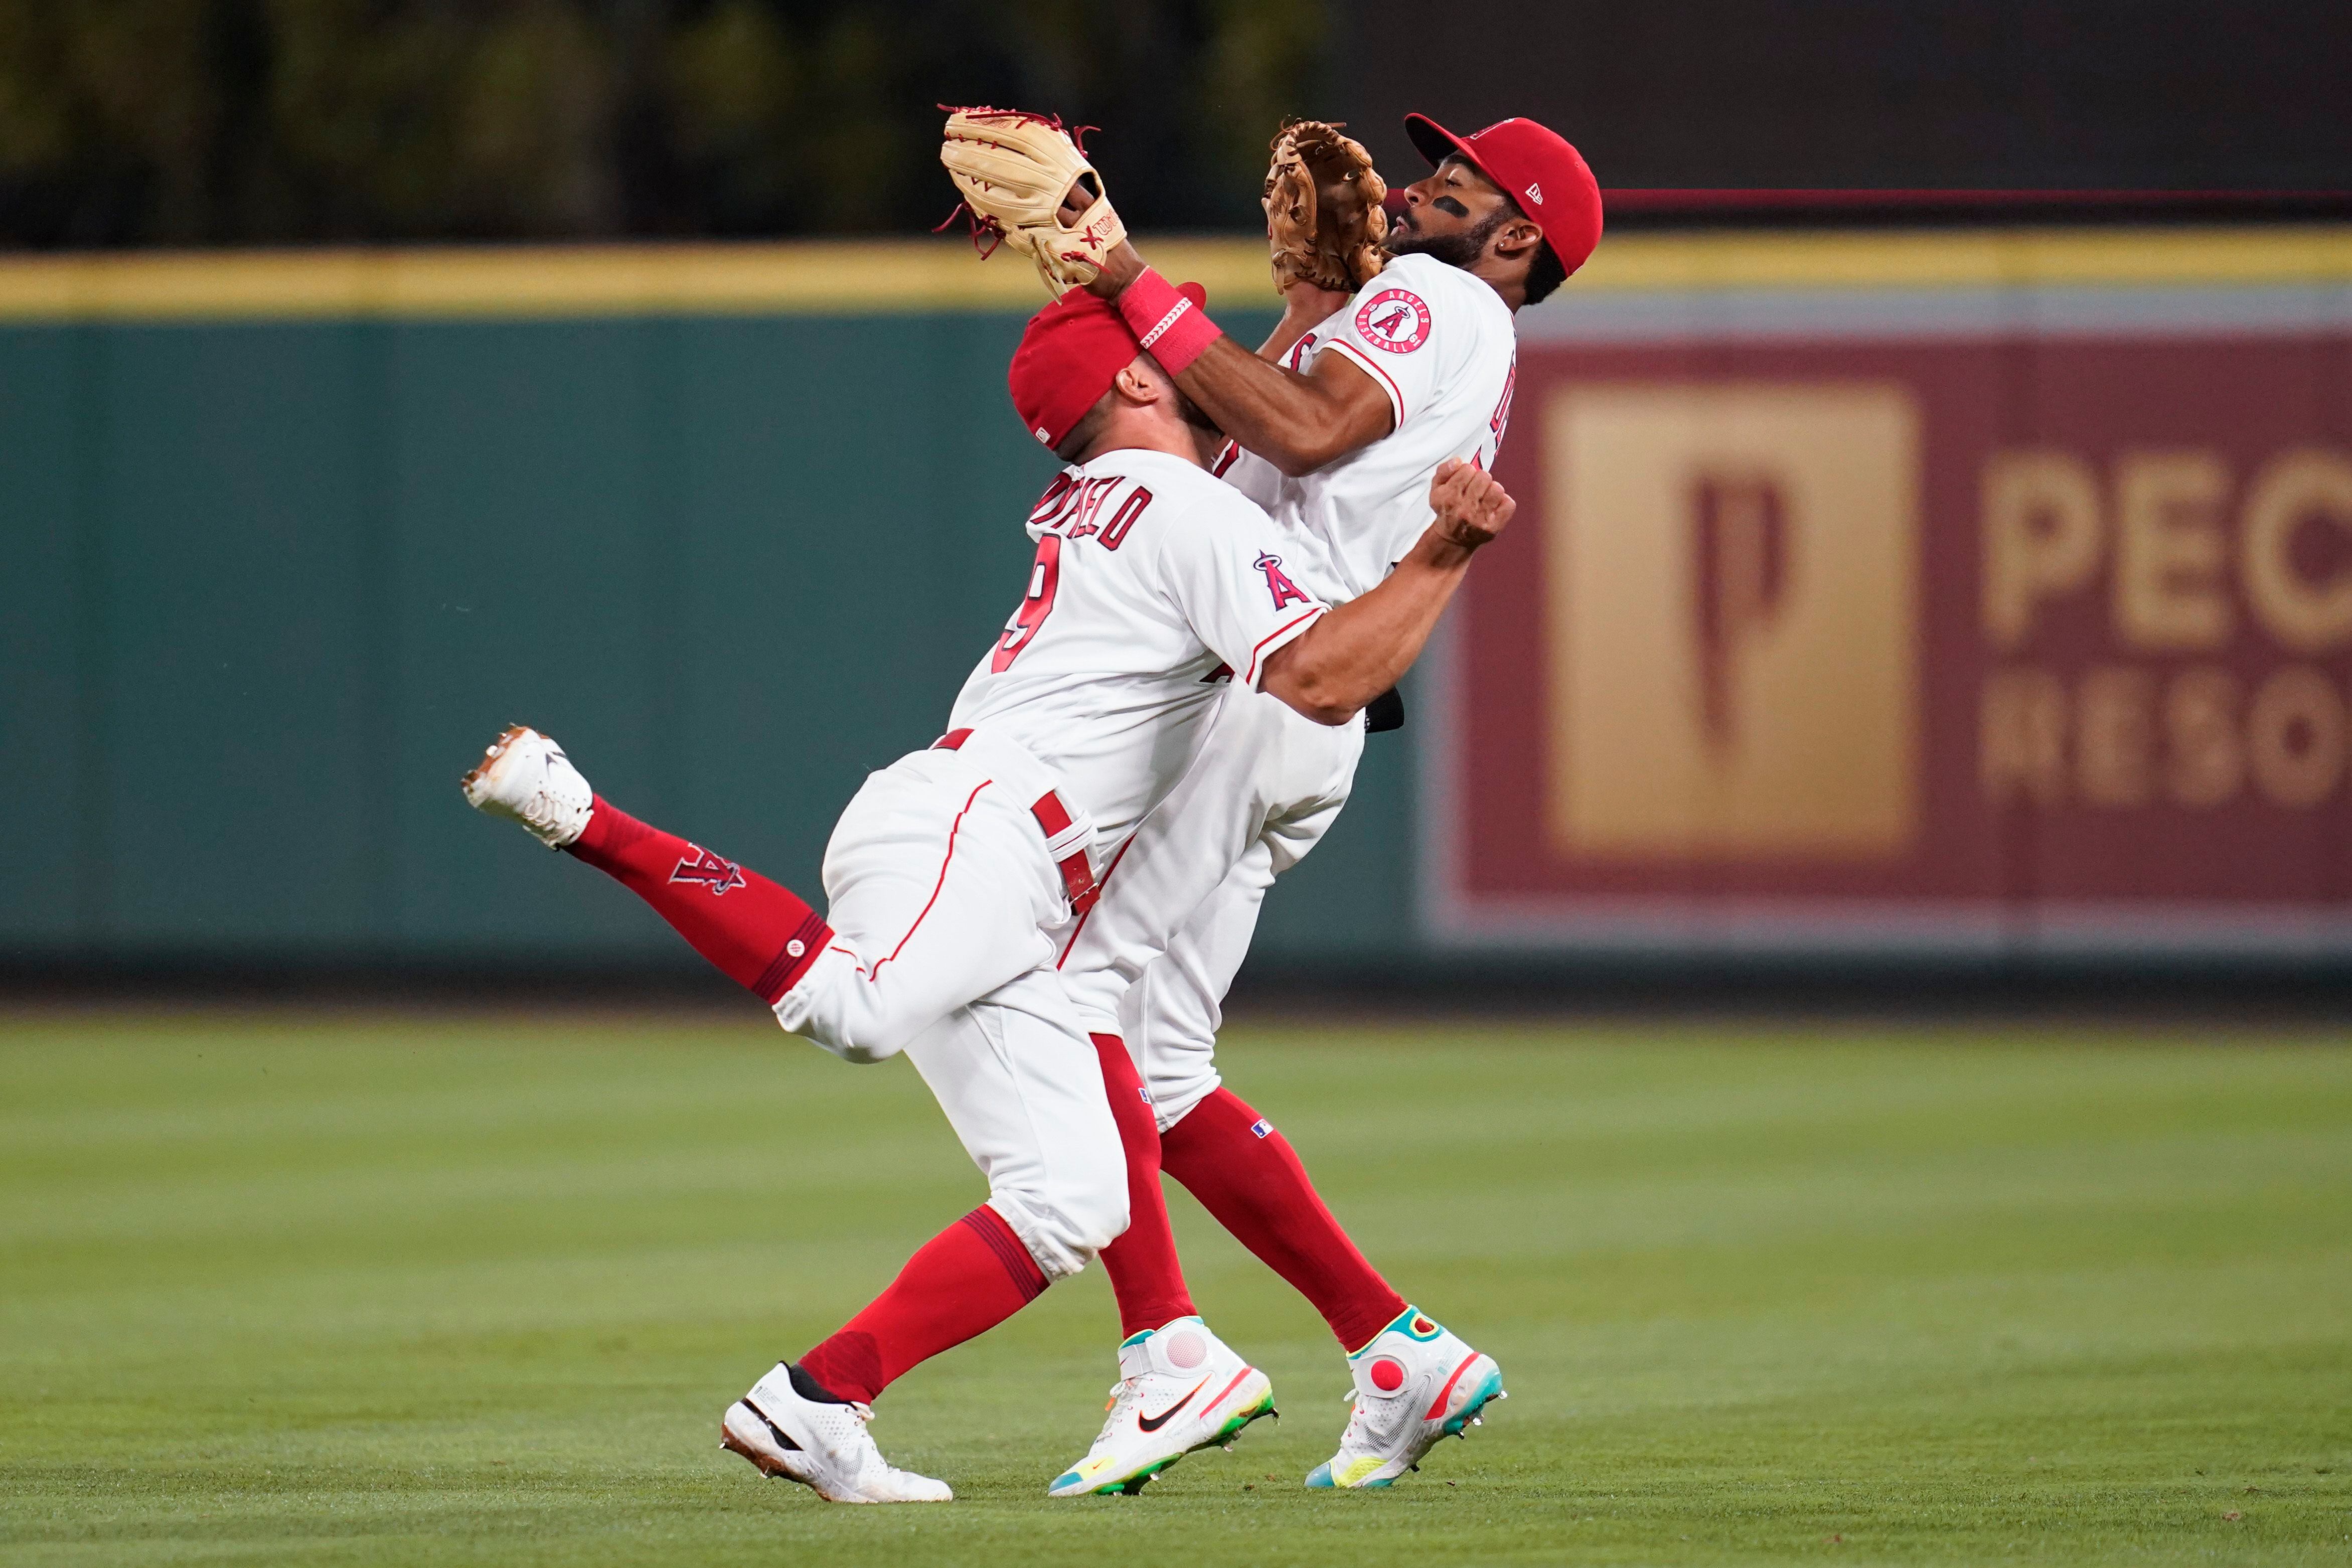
(1150, 578)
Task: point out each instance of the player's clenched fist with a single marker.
(1472, 505)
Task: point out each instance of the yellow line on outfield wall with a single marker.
(825, 277)
(840, 277)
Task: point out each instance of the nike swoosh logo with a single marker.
(1153, 1423)
(781, 1436)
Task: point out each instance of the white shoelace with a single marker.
(1123, 1395)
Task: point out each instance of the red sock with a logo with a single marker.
(1144, 1272)
(757, 932)
(1246, 1174)
(965, 1280)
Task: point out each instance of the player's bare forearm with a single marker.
(1298, 423)
(1364, 646)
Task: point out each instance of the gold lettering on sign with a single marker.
(2042, 536)
(2295, 488)
(2295, 736)
(2206, 766)
(2121, 736)
(2021, 744)
(2170, 550)
(1730, 588)
(2113, 736)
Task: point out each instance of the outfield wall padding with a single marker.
(287, 540)
(271, 586)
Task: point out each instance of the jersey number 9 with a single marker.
(1045, 581)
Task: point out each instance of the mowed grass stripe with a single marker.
(373, 1289)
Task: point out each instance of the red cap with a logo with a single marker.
(1536, 164)
(1069, 356)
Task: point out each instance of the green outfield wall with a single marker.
(270, 584)
(287, 537)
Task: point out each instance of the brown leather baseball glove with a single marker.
(1323, 216)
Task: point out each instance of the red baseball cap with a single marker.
(1536, 164)
(1069, 356)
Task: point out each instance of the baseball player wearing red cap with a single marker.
(1339, 421)
(953, 869)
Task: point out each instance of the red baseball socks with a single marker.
(758, 933)
(1246, 1175)
(1145, 1276)
(962, 1282)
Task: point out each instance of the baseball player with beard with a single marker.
(951, 872)
(1338, 421)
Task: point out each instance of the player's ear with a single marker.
(1136, 382)
(1516, 240)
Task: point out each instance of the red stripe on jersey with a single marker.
(1356, 356)
(1250, 677)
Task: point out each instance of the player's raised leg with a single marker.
(760, 935)
(937, 876)
(929, 878)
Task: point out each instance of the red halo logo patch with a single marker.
(1388, 1375)
(1394, 319)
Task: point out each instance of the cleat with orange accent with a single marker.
(526, 777)
(1181, 1388)
(1415, 1384)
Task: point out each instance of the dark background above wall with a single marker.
(2157, 94)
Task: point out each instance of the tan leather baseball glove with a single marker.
(1323, 216)
(1014, 169)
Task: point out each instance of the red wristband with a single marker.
(1172, 325)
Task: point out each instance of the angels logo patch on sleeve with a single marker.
(1395, 319)
(1278, 583)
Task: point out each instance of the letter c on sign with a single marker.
(2295, 487)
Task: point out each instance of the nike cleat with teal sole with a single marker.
(1416, 1384)
(1181, 1388)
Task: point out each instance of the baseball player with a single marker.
(952, 868)
(1339, 421)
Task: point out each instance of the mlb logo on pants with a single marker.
(1261, 1126)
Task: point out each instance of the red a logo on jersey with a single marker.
(1284, 590)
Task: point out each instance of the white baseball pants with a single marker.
(1154, 959)
(941, 889)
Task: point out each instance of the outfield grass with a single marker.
(359, 1289)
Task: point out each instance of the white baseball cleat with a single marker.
(821, 1443)
(1415, 1383)
(526, 777)
(1180, 1388)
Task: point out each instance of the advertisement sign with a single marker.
(1961, 639)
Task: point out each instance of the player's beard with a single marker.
(1461, 249)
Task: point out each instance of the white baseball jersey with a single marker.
(1153, 585)
(1440, 342)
